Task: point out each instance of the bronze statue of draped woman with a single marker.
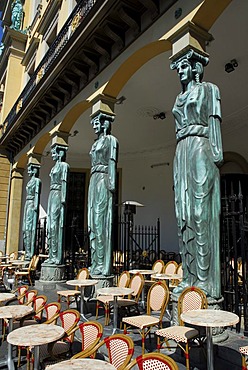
(197, 159)
(31, 211)
(102, 189)
(57, 206)
(16, 15)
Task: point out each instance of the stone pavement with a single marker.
(226, 354)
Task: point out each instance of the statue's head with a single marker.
(190, 66)
(102, 123)
(33, 170)
(58, 153)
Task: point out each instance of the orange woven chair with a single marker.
(70, 295)
(157, 300)
(192, 298)
(120, 350)
(123, 282)
(153, 361)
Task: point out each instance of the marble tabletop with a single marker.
(6, 296)
(15, 311)
(166, 276)
(210, 318)
(19, 262)
(142, 272)
(35, 335)
(82, 282)
(83, 363)
(114, 291)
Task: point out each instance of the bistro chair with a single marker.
(91, 333)
(120, 350)
(27, 272)
(27, 298)
(20, 292)
(127, 306)
(244, 353)
(68, 319)
(157, 300)
(123, 282)
(158, 268)
(50, 313)
(49, 316)
(70, 295)
(38, 303)
(170, 267)
(153, 361)
(192, 298)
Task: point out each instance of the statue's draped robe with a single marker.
(197, 187)
(100, 203)
(56, 213)
(30, 216)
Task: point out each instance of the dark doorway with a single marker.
(75, 216)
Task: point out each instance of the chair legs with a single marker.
(244, 365)
(185, 350)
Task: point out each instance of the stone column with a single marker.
(4, 197)
(14, 214)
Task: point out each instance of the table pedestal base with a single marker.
(103, 282)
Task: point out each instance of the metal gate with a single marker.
(234, 246)
(139, 246)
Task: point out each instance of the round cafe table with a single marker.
(115, 292)
(11, 313)
(82, 284)
(4, 297)
(81, 363)
(34, 336)
(210, 319)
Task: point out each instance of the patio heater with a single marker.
(129, 212)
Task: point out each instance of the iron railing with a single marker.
(139, 246)
(75, 19)
(234, 247)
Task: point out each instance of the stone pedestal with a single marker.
(103, 282)
(51, 275)
(219, 334)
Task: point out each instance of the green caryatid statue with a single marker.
(31, 211)
(57, 205)
(16, 15)
(198, 155)
(102, 189)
